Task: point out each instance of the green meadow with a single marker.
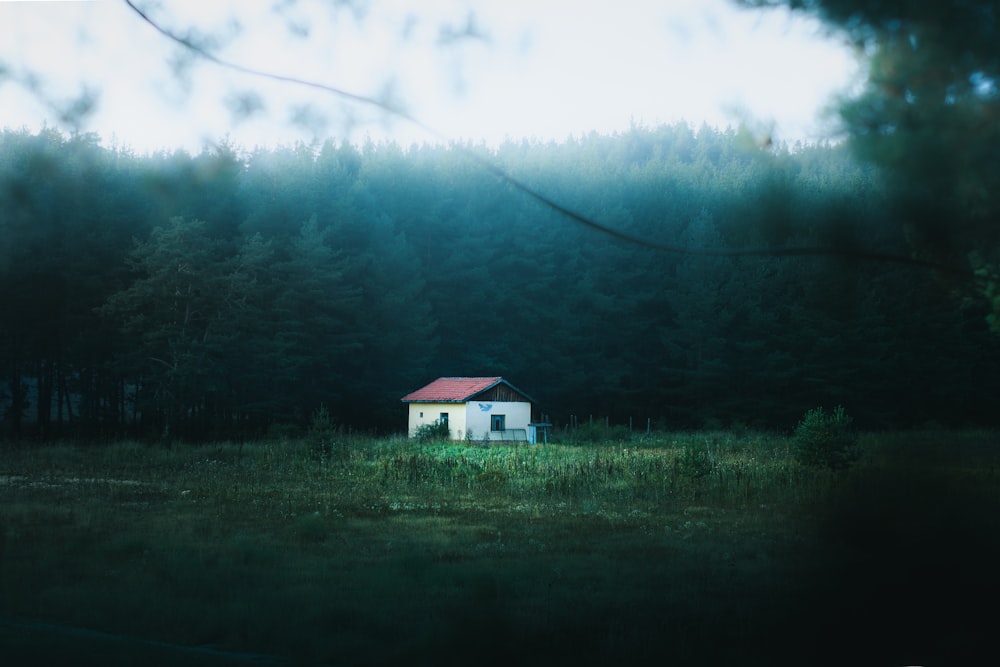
(700, 548)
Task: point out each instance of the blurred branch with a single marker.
(527, 190)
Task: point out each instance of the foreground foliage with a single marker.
(705, 547)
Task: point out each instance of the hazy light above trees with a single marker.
(478, 71)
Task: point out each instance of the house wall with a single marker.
(477, 419)
(432, 412)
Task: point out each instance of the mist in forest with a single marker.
(233, 292)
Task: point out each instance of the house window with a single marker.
(444, 419)
(498, 422)
(421, 415)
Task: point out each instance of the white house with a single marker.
(478, 408)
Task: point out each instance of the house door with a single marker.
(444, 419)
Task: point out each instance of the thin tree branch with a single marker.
(499, 172)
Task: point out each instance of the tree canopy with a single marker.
(233, 292)
(929, 115)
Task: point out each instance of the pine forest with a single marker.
(232, 293)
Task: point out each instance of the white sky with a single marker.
(546, 69)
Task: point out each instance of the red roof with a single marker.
(452, 390)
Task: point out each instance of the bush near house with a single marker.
(433, 432)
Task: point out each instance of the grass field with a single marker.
(681, 549)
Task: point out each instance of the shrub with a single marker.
(826, 439)
(322, 434)
(437, 430)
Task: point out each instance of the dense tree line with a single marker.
(230, 293)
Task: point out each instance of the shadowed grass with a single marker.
(701, 548)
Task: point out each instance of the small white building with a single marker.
(478, 408)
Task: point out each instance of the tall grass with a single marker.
(682, 468)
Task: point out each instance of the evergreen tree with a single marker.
(186, 311)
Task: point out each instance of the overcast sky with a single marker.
(541, 69)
